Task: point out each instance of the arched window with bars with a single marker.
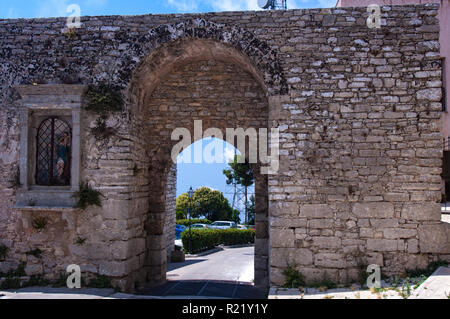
(53, 153)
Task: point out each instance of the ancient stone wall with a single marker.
(358, 110)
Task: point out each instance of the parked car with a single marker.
(242, 227)
(199, 226)
(223, 225)
(178, 230)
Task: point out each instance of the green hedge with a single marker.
(204, 239)
(185, 222)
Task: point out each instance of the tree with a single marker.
(251, 211)
(181, 206)
(211, 205)
(242, 174)
(235, 216)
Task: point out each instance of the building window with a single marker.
(53, 153)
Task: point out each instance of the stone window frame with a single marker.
(37, 103)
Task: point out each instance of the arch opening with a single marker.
(218, 92)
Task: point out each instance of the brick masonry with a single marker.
(358, 111)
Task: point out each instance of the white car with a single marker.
(242, 227)
(222, 225)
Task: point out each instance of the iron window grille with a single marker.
(53, 153)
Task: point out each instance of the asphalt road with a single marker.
(232, 264)
(224, 274)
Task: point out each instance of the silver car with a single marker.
(223, 225)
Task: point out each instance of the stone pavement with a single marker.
(56, 293)
(437, 286)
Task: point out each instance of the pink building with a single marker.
(444, 19)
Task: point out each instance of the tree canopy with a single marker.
(241, 173)
(211, 205)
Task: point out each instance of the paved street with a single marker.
(224, 274)
(232, 264)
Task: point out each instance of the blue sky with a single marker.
(57, 8)
(210, 175)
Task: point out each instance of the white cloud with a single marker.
(228, 154)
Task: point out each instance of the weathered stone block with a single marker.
(434, 238)
(288, 222)
(394, 233)
(373, 210)
(321, 223)
(113, 268)
(316, 211)
(429, 211)
(280, 257)
(280, 237)
(283, 208)
(329, 260)
(382, 244)
(432, 94)
(327, 242)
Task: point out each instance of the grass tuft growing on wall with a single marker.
(88, 197)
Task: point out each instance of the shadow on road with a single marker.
(173, 266)
(206, 288)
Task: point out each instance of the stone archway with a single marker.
(183, 81)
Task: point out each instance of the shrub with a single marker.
(428, 271)
(88, 196)
(34, 252)
(203, 239)
(293, 278)
(236, 236)
(3, 251)
(104, 99)
(10, 283)
(39, 223)
(100, 281)
(185, 222)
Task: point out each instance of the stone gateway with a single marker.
(360, 147)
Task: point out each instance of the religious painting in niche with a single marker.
(53, 153)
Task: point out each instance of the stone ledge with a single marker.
(46, 208)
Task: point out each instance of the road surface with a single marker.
(232, 264)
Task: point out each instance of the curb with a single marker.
(207, 252)
(239, 246)
(217, 249)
